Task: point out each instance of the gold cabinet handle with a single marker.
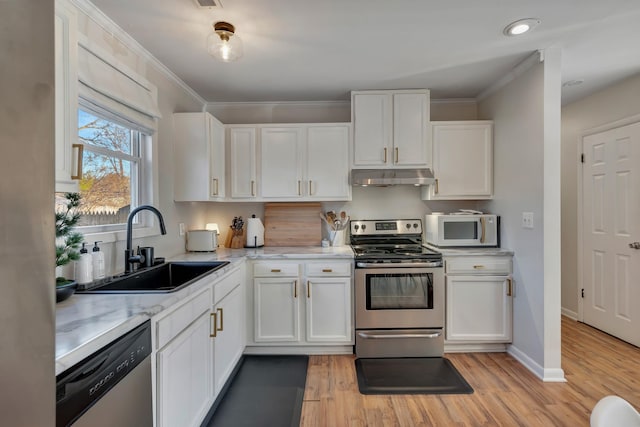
(310, 192)
(215, 186)
(253, 188)
(483, 226)
(436, 189)
(385, 154)
(308, 288)
(478, 267)
(215, 325)
(327, 270)
(509, 287)
(275, 270)
(221, 318)
(299, 190)
(295, 289)
(397, 156)
(80, 150)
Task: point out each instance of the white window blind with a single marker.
(112, 86)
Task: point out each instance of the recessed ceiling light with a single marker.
(575, 82)
(520, 27)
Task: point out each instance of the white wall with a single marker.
(614, 103)
(173, 96)
(518, 112)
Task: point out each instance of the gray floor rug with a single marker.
(423, 375)
(266, 391)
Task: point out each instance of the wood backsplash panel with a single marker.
(292, 224)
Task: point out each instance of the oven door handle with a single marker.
(368, 335)
(398, 264)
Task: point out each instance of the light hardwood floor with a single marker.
(505, 392)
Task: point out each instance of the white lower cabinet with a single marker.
(184, 367)
(479, 295)
(290, 298)
(198, 343)
(229, 337)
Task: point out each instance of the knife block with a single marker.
(237, 239)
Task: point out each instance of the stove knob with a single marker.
(415, 225)
(363, 227)
(356, 227)
(408, 226)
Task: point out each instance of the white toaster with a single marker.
(202, 241)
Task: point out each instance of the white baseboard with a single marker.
(450, 347)
(569, 313)
(329, 349)
(546, 375)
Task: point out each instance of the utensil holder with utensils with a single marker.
(336, 226)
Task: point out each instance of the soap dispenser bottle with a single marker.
(84, 267)
(97, 258)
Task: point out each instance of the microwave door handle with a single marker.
(483, 226)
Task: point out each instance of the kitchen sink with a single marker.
(163, 278)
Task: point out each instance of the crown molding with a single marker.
(107, 24)
(278, 103)
(535, 58)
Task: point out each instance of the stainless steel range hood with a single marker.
(387, 177)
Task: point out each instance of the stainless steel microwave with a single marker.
(466, 230)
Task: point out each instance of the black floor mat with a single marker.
(425, 375)
(267, 391)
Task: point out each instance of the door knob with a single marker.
(634, 245)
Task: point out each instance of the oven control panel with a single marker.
(386, 227)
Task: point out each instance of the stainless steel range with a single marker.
(399, 290)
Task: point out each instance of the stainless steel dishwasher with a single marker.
(112, 387)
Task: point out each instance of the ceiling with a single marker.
(298, 50)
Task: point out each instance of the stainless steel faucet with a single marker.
(130, 258)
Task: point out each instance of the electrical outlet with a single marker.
(181, 227)
(527, 219)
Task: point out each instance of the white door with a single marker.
(411, 131)
(242, 143)
(372, 129)
(216, 141)
(276, 309)
(281, 162)
(328, 162)
(611, 222)
(229, 340)
(328, 309)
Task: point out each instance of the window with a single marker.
(112, 170)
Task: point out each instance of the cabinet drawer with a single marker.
(275, 269)
(478, 265)
(330, 268)
(176, 321)
(225, 285)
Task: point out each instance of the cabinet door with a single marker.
(198, 157)
(479, 309)
(328, 163)
(276, 309)
(411, 133)
(185, 380)
(372, 129)
(242, 143)
(462, 160)
(328, 309)
(229, 339)
(281, 162)
(66, 99)
(217, 159)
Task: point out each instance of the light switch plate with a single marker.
(181, 227)
(527, 219)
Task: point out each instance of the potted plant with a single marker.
(68, 242)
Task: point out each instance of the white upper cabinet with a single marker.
(68, 152)
(242, 162)
(327, 161)
(391, 129)
(198, 157)
(462, 161)
(281, 162)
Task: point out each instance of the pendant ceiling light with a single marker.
(223, 43)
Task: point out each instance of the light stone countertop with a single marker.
(451, 252)
(87, 322)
